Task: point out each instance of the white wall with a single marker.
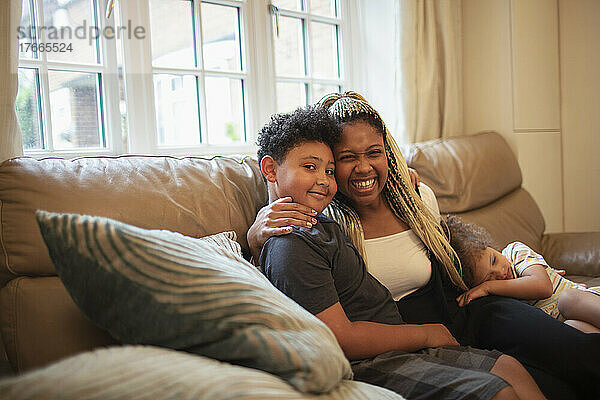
(530, 72)
(580, 88)
(487, 92)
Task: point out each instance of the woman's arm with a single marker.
(276, 219)
(532, 285)
(415, 180)
(357, 338)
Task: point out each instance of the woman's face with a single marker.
(361, 164)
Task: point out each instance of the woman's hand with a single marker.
(481, 290)
(276, 219)
(414, 177)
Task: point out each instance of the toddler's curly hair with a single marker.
(468, 240)
(286, 131)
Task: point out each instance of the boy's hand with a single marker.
(481, 290)
(438, 335)
(275, 219)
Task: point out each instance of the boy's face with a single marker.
(492, 265)
(307, 175)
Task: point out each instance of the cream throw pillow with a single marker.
(153, 373)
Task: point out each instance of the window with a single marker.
(307, 51)
(65, 78)
(170, 76)
(205, 60)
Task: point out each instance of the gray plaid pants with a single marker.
(452, 372)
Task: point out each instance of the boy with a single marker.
(324, 273)
(521, 273)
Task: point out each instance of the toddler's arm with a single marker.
(532, 285)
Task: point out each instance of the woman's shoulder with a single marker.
(429, 199)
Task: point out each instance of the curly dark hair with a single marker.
(468, 240)
(286, 131)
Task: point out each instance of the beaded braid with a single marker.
(401, 197)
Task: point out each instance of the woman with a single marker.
(406, 249)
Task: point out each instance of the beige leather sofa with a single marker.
(476, 176)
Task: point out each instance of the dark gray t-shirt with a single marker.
(318, 267)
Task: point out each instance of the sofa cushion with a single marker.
(466, 172)
(152, 373)
(163, 288)
(40, 323)
(194, 196)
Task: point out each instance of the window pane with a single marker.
(28, 108)
(221, 37)
(176, 100)
(289, 4)
(71, 22)
(323, 7)
(324, 50)
(26, 33)
(172, 33)
(321, 90)
(74, 108)
(289, 47)
(225, 110)
(290, 96)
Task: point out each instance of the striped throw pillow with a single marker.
(161, 288)
(224, 241)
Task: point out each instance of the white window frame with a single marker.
(308, 78)
(109, 115)
(139, 84)
(257, 33)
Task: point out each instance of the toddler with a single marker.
(520, 272)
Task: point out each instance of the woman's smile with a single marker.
(361, 164)
(363, 184)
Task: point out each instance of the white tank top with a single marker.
(400, 261)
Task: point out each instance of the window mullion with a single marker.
(46, 111)
(307, 55)
(263, 85)
(46, 122)
(111, 92)
(72, 67)
(246, 80)
(139, 84)
(201, 99)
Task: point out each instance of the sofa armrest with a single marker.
(578, 253)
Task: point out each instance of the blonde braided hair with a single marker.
(398, 194)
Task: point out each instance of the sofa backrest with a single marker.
(478, 178)
(194, 196)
